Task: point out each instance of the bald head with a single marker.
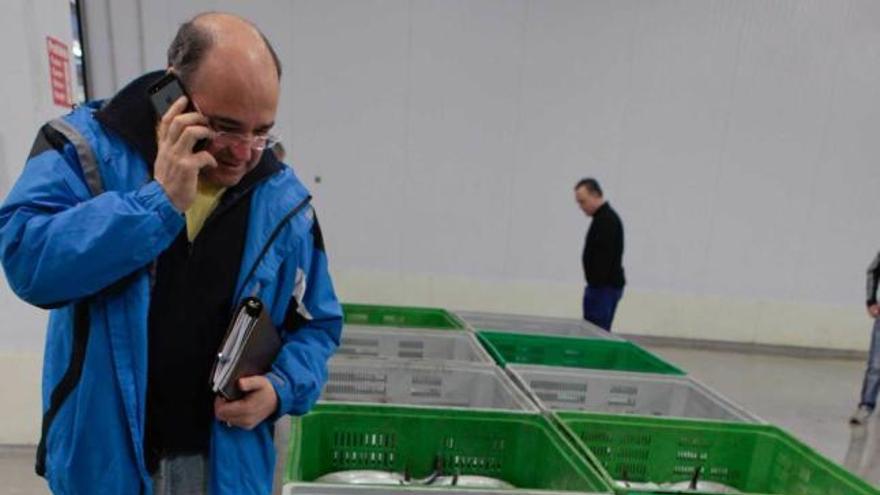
(232, 75)
(204, 32)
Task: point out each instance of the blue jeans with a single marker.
(871, 385)
(600, 304)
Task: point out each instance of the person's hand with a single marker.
(258, 403)
(874, 310)
(176, 167)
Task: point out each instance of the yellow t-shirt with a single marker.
(207, 198)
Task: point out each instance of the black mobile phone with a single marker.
(164, 93)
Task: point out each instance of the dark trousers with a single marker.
(600, 303)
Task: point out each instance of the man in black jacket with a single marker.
(603, 255)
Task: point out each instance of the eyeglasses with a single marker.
(257, 142)
(224, 139)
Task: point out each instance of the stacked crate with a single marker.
(648, 424)
(550, 405)
(410, 387)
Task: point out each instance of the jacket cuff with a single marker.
(284, 392)
(153, 197)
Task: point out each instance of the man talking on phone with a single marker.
(142, 239)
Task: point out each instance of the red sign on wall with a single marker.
(59, 72)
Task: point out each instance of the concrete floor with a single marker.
(17, 471)
(812, 398)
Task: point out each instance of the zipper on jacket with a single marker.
(275, 232)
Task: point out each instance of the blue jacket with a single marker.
(62, 248)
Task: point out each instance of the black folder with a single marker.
(249, 348)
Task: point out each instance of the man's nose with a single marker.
(242, 151)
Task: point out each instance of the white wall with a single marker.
(736, 138)
(27, 103)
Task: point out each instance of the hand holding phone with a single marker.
(178, 164)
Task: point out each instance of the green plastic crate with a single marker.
(509, 348)
(401, 316)
(526, 450)
(755, 459)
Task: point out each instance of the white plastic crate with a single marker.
(555, 388)
(424, 383)
(322, 489)
(538, 325)
(409, 343)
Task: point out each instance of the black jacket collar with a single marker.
(130, 114)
